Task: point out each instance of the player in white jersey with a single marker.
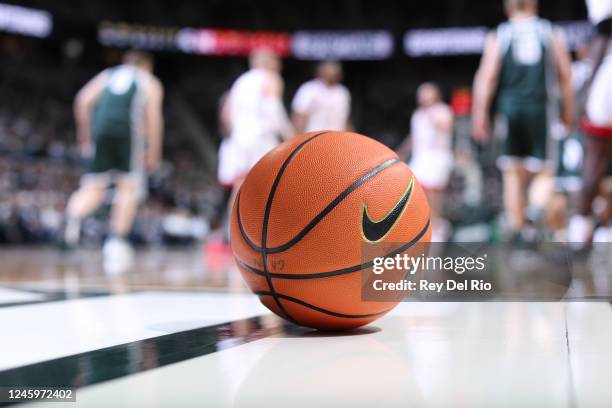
(256, 117)
(322, 103)
(598, 107)
(596, 125)
(430, 146)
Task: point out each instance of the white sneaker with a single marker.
(602, 234)
(579, 231)
(118, 256)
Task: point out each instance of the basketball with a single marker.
(303, 216)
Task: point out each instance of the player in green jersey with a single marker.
(119, 126)
(524, 62)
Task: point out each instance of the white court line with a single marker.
(425, 354)
(18, 296)
(36, 333)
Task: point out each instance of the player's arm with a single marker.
(299, 109)
(563, 64)
(405, 148)
(599, 49)
(83, 105)
(443, 119)
(349, 124)
(299, 122)
(273, 92)
(154, 123)
(349, 118)
(485, 83)
(225, 115)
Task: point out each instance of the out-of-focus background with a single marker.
(48, 50)
(177, 325)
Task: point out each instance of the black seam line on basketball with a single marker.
(321, 215)
(343, 271)
(318, 309)
(266, 219)
(332, 205)
(246, 238)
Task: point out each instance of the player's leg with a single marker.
(604, 232)
(514, 175)
(242, 159)
(514, 180)
(555, 215)
(440, 227)
(221, 213)
(125, 205)
(118, 253)
(434, 197)
(568, 156)
(81, 204)
(225, 179)
(230, 173)
(595, 166)
(433, 170)
(89, 196)
(594, 169)
(126, 160)
(598, 137)
(541, 189)
(607, 190)
(539, 167)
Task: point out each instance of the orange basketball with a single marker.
(298, 225)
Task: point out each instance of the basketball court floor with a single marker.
(181, 330)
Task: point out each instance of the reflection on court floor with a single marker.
(128, 344)
(422, 354)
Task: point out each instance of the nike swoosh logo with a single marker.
(375, 231)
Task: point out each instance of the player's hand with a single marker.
(560, 130)
(568, 119)
(84, 141)
(481, 129)
(152, 161)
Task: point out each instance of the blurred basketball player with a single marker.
(596, 124)
(568, 156)
(430, 146)
(224, 125)
(524, 61)
(119, 120)
(255, 117)
(322, 103)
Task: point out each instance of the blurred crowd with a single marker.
(40, 166)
